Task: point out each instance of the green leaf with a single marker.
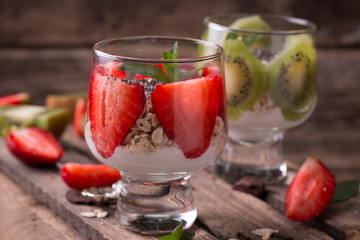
(171, 69)
(184, 74)
(250, 40)
(146, 70)
(175, 235)
(345, 190)
(232, 36)
(187, 235)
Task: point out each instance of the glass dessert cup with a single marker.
(157, 114)
(270, 76)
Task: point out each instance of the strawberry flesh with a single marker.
(14, 99)
(34, 146)
(187, 111)
(82, 176)
(114, 106)
(310, 192)
(79, 117)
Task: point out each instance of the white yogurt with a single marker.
(164, 164)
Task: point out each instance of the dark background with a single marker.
(68, 23)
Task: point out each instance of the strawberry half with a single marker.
(310, 192)
(110, 69)
(79, 117)
(114, 106)
(187, 111)
(14, 99)
(84, 176)
(211, 69)
(34, 146)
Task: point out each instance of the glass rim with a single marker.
(218, 48)
(309, 27)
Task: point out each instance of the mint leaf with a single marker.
(171, 69)
(187, 235)
(250, 40)
(146, 70)
(345, 190)
(232, 36)
(175, 235)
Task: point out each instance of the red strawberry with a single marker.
(211, 69)
(14, 99)
(187, 111)
(34, 146)
(110, 69)
(79, 117)
(310, 192)
(84, 176)
(114, 106)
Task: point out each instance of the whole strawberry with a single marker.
(310, 192)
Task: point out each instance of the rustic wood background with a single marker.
(80, 23)
(45, 48)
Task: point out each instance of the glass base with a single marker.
(263, 160)
(151, 208)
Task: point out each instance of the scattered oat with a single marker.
(102, 214)
(265, 233)
(98, 213)
(88, 214)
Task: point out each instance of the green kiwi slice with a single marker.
(244, 77)
(254, 23)
(292, 78)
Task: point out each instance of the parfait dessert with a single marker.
(270, 75)
(156, 114)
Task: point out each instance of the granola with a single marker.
(147, 135)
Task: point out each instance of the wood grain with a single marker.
(22, 218)
(47, 188)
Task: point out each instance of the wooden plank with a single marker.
(228, 213)
(340, 220)
(46, 187)
(22, 218)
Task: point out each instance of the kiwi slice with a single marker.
(54, 120)
(244, 77)
(255, 23)
(292, 79)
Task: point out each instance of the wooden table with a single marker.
(33, 203)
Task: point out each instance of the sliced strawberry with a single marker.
(34, 146)
(14, 99)
(79, 117)
(187, 111)
(84, 176)
(114, 106)
(310, 192)
(110, 69)
(211, 69)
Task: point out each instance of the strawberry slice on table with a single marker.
(34, 146)
(79, 117)
(14, 99)
(187, 111)
(310, 192)
(114, 106)
(82, 176)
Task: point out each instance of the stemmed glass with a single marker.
(156, 113)
(270, 75)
